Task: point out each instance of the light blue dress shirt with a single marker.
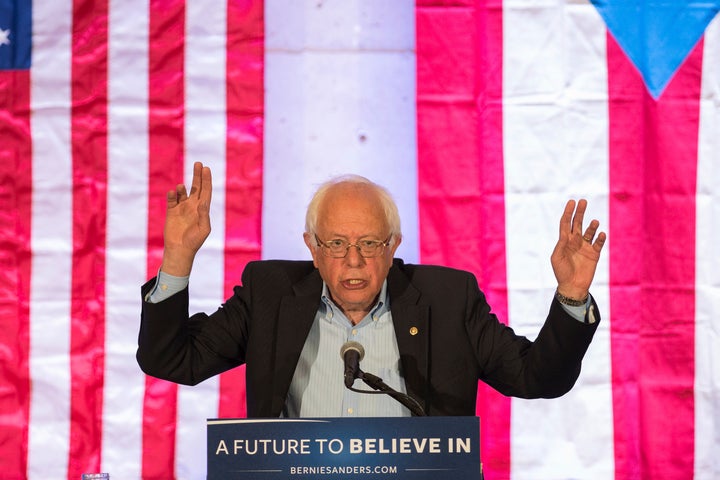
(318, 389)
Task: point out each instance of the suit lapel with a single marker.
(294, 322)
(412, 330)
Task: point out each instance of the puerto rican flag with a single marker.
(481, 117)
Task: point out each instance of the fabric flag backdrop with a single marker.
(482, 117)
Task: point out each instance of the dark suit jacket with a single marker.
(447, 337)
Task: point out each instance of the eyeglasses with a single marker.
(338, 248)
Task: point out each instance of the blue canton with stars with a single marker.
(15, 34)
(657, 35)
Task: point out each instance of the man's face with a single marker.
(352, 212)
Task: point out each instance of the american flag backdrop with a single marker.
(481, 117)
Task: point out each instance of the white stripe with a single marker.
(555, 130)
(205, 127)
(51, 276)
(707, 262)
(340, 98)
(126, 256)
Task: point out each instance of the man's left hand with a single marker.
(576, 253)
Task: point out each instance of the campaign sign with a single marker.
(417, 448)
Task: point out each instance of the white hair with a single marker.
(388, 204)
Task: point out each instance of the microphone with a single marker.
(352, 353)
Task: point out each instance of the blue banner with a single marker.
(420, 448)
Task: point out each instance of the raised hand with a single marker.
(187, 222)
(576, 254)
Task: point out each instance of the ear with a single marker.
(312, 246)
(397, 240)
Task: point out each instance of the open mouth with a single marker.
(354, 283)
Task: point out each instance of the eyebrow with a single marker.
(362, 237)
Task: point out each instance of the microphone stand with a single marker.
(377, 383)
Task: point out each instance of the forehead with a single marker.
(352, 209)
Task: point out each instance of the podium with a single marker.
(416, 448)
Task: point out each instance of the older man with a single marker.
(427, 330)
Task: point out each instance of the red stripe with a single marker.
(460, 169)
(493, 408)
(653, 167)
(166, 120)
(89, 153)
(243, 213)
(15, 223)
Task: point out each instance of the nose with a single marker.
(353, 257)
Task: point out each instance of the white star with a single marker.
(4, 34)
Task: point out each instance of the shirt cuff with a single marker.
(166, 286)
(581, 312)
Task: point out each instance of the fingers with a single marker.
(572, 219)
(204, 199)
(599, 241)
(176, 196)
(591, 231)
(171, 199)
(201, 189)
(201, 183)
(205, 193)
(566, 219)
(589, 235)
(196, 186)
(579, 215)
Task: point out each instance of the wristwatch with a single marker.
(570, 301)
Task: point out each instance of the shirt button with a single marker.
(163, 287)
(350, 410)
(354, 331)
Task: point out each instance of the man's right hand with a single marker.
(187, 222)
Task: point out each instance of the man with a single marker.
(427, 330)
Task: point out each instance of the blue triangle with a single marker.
(657, 35)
